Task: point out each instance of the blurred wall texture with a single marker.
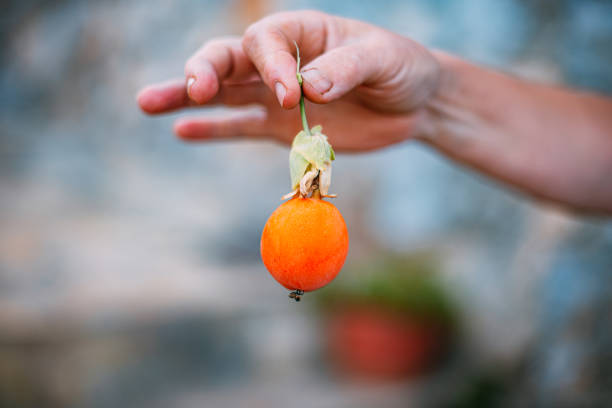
(129, 262)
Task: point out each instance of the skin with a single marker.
(372, 88)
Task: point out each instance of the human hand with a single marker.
(375, 84)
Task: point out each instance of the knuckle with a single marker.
(250, 35)
(313, 13)
(276, 21)
(269, 24)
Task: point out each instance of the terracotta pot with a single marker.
(375, 343)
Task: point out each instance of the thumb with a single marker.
(335, 73)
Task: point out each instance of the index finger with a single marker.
(269, 43)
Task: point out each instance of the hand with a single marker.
(374, 84)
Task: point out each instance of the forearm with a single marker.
(549, 142)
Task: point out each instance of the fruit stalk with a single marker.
(311, 154)
(302, 102)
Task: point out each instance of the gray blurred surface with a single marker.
(129, 262)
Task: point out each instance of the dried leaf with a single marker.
(325, 180)
(309, 152)
(306, 182)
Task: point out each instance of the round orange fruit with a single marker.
(304, 243)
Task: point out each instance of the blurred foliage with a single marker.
(482, 390)
(400, 283)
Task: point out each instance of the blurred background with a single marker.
(130, 273)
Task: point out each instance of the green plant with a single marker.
(405, 284)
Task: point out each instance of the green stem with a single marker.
(303, 115)
(302, 102)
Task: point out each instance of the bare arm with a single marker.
(550, 142)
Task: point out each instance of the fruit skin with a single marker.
(304, 243)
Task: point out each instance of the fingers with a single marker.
(163, 97)
(218, 60)
(269, 43)
(267, 49)
(236, 124)
(335, 73)
(171, 95)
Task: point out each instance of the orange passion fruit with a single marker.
(304, 243)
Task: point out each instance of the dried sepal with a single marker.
(290, 195)
(325, 180)
(298, 164)
(307, 182)
(311, 153)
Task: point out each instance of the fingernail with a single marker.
(190, 82)
(281, 91)
(314, 77)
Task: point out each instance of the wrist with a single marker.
(439, 105)
(460, 112)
